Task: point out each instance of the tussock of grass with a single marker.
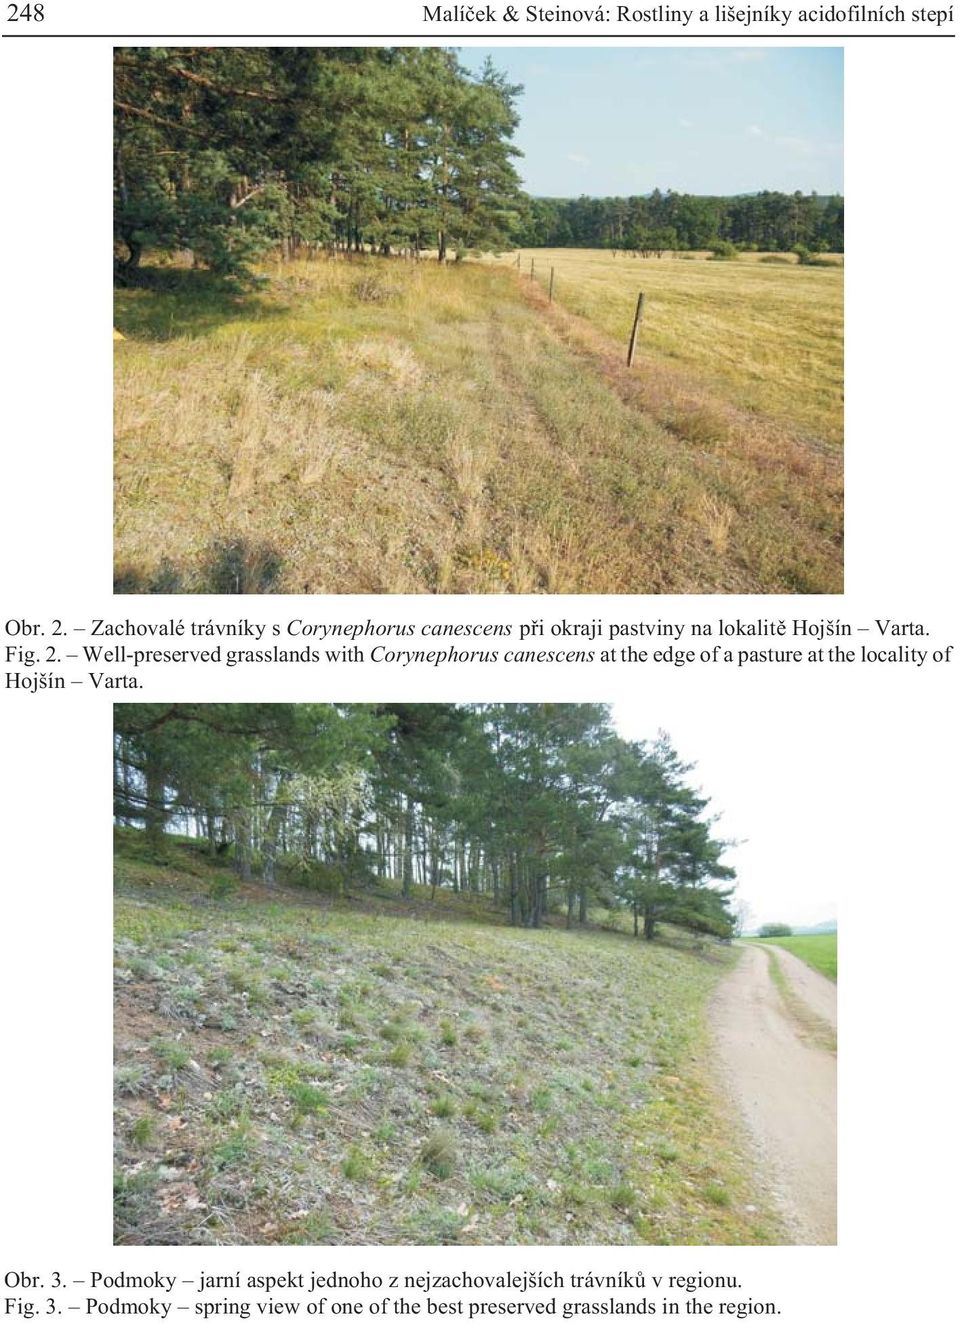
(130, 1080)
(307, 1098)
(530, 1127)
(142, 1130)
(439, 1154)
(357, 1164)
(173, 1055)
(453, 437)
(718, 1195)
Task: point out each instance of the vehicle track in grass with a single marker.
(784, 1083)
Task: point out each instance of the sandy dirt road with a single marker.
(784, 1085)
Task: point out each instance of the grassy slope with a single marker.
(284, 1064)
(384, 427)
(818, 950)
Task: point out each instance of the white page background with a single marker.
(878, 746)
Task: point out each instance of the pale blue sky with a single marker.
(625, 120)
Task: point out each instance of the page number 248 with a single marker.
(24, 13)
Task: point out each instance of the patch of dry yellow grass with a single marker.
(767, 336)
(379, 426)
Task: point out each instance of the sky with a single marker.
(721, 120)
(766, 775)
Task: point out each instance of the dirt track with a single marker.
(784, 1085)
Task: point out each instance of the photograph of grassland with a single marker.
(445, 974)
(371, 329)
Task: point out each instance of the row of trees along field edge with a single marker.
(226, 153)
(541, 808)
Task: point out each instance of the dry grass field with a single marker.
(761, 331)
(383, 427)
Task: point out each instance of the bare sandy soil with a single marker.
(785, 1087)
(816, 991)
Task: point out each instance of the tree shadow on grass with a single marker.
(234, 566)
(165, 304)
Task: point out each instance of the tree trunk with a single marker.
(126, 270)
(127, 789)
(211, 818)
(406, 880)
(270, 837)
(243, 861)
(155, 812)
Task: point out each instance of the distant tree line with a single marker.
(228, 151)
(542, 808)
(670, 222)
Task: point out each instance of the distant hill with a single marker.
(828, 926)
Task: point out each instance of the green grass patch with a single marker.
(308, 1100)
(357, 1165)
(173, 1055)
(818, 950)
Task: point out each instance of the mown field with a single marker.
(818, 950)
(762, 331)
(294, 1071)
(377, 426)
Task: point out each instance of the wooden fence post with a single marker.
(551, 285)
(637, 319)
(531, 268)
